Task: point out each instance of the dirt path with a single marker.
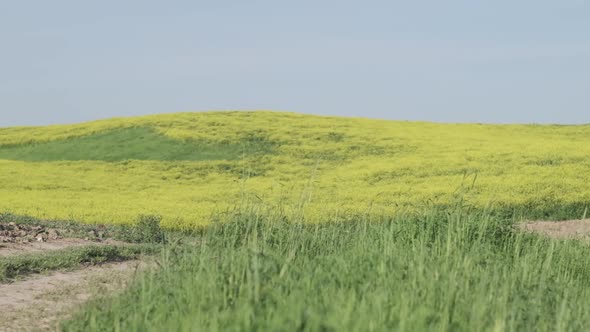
(40, 302)
(568, 229)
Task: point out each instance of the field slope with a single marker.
(189, 167)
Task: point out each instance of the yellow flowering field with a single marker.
(189, 167)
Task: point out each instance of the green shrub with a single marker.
(146, 230)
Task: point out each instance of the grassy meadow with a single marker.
(191, 167)
(439, 271)
(289, 222)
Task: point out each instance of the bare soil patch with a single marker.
(16, 239)
(24, 233)
(12, 249)
(569, 229)
(41, 302)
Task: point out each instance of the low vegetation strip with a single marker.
(15, 249)
(12, 267)
(443, 271)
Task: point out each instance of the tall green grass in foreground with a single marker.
(438, 271)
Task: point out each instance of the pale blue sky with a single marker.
(454, 61)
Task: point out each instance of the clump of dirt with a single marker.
(16, 239)
(22, 233)
(569, 229)
(25, 233)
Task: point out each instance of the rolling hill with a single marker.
(190, 167)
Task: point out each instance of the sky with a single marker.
(497, 61)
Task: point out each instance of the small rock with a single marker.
(53, 234)
(41, 237)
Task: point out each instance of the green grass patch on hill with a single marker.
(136, 143)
